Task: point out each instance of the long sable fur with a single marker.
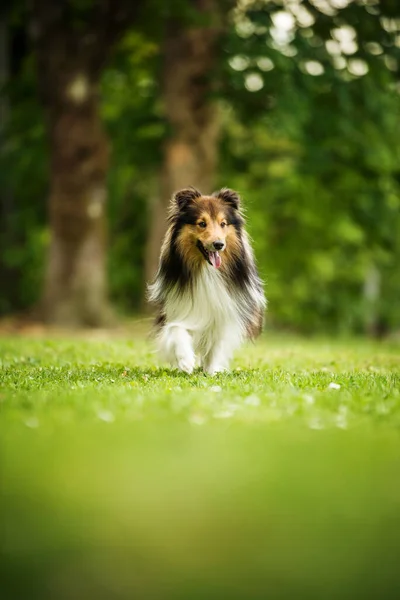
(240, 276)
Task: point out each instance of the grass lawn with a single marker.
(122, 478)
(321, 384)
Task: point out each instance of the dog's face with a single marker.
(208, 225)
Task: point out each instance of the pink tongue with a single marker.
(215, 259)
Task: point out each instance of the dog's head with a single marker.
(207, 226)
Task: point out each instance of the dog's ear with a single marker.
(185, 196)
(229, 196)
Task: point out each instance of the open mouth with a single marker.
(213, 258)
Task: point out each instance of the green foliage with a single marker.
(134, 124)
(309, 139)
(23, 185)
(315, 150)
(132, 119)
(323, 208)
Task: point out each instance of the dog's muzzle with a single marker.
(212, 256)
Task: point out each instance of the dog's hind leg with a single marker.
(177, 347)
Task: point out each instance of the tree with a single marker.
(73, 41)
(309, 134)
(189, 52)
(326, 204)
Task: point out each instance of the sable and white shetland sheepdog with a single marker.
(207, 289)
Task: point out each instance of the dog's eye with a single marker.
(202, 224)
(224, 224)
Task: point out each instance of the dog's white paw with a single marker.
(186, 364)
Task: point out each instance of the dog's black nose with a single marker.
(218, 245)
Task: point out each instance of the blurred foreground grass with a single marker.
(123, 479)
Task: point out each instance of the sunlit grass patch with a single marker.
(123, 478)
(316, 382)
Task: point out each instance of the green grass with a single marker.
(124, 479)
(319, 383)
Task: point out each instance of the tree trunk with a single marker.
(190, 152)
(5, 193)
(75, 291)
(72, 46)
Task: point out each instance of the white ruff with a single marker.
(210, 314)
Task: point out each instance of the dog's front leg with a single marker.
(177, 347)
(218, 359)
(226, 342)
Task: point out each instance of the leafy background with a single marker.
(310, 137)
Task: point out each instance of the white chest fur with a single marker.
(208, 302)
(209, 311)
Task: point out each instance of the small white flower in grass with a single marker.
(341, 420)
(224, 414)
(32, 422)
(308, 399)
(106, 416)
(334, 386)
(197, 419)
(252, 400)
(316, 424)
(216, 389)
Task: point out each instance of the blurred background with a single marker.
(107, 107)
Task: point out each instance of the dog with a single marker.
(207, 289)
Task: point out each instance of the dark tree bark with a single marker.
(190, 152)
(70, 59)
(5, 195)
